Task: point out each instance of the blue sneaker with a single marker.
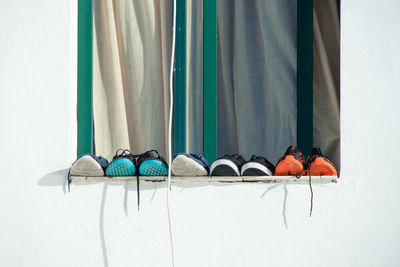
(123, 164)
(151, 163)
(89, 165)
(190, 165)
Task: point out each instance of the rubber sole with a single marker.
(224, 167)
(322, 168)
(185, 166)
(255, 169)
(223, 170)
(121, 167)
(86, 166)
(153, 168)
(289, 166)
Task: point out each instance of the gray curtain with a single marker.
(256, 76)
(327, 78)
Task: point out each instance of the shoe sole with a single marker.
(185, 166)
(322, 168)
(86, 166)
(255, 169)
(153, 168)
(289, 166)
(121, 167)
(224, 167)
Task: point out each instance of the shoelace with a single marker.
(137, 157)
(309, 182)
(202, 159)
(254, 157)
(239, 158)
(128, 154)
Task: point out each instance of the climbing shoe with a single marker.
(228, 165)
(190, 165)
(319, 165)
(123, 164)
(257, 166)
(151, 163)
(89, 165)
(291, 163)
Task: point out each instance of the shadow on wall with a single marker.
(60, 179)
(57, 178)
(284, 200)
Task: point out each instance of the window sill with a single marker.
(208, 179)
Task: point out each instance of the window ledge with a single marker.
(208, 179)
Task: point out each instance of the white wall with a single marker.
(355, 222)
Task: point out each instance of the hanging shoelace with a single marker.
(311, 190)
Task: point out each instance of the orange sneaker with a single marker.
(291, 163)
(319, 165)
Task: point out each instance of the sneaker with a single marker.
(291, 163)
(228, 165)
(319, 165)
(89, 165)
(190, 165)
(257, 166)
(151, 163)
(123, 164)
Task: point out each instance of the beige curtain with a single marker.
(132, 48)
(256, 76)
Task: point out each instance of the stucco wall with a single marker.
(355, 222)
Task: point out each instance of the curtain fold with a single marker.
(132, 48)
(256, 76)
(327, 79)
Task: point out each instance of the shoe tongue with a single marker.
(254, 157)
(239, 159)
(201, 158)
(316, 151)
(291, 150)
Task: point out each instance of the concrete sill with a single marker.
(208, 179)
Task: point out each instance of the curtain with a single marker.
(132, 50)
(256, 76)
(327, 78)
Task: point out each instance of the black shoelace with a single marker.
(139, 159)
(126, 153)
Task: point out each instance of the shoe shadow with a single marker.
(56, 178)
(284, 204)
(101, 225)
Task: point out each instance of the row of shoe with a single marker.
(151, 163)
(124, 163)
(291, 163)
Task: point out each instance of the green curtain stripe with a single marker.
(84, 105)
(179, 125)
(305, 75)
(210, 80)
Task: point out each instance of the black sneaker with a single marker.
(258, 166)
(150, 163)
(228, 165)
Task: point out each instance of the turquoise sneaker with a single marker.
(151, 163)
(123, 164)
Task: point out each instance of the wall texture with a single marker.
(355, 222)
